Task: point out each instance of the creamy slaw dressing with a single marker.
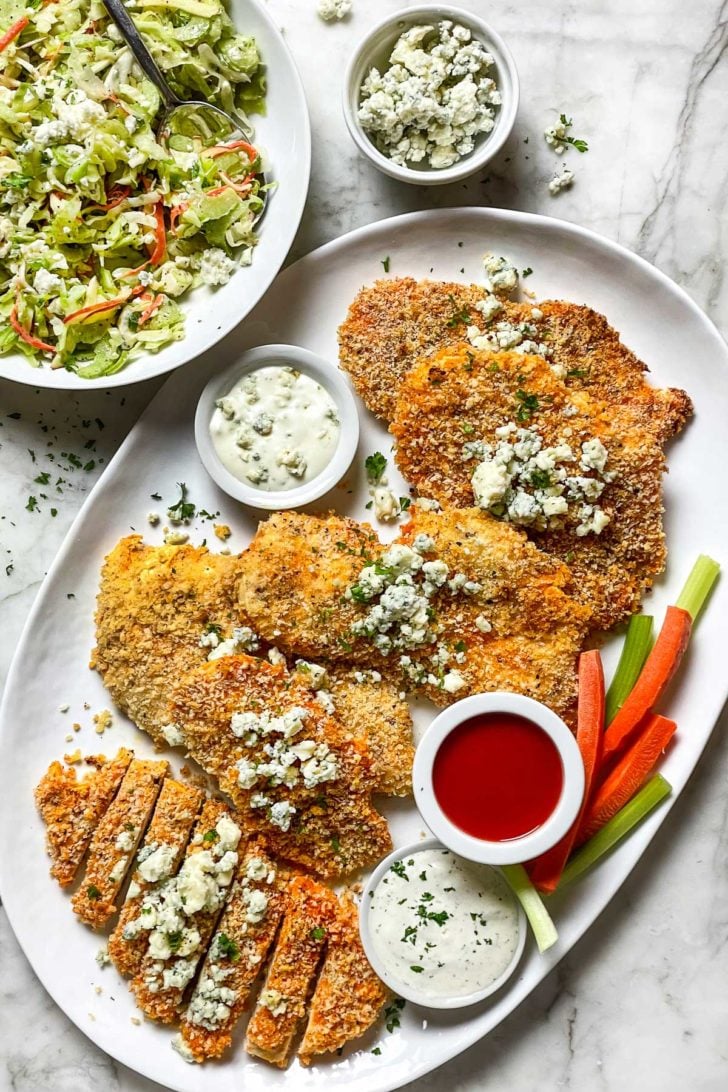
(443, 926)
(276, 429)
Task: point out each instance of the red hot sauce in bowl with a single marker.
(497, 776)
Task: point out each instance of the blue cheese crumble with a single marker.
(520, 480)
(435, 98)
(333, 10)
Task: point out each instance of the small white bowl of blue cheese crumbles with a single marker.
(441, 931)
(431, 94)
(277, 429)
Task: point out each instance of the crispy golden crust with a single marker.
(171, 825)
(281, 1004)
(157, 1001)
(527, 592)
(526, 597)
(394, 323)
(348, 996)
(459, 395)
(109, 861)
(153, 605)
(375, 713)
(235, 956)
(292, 578)
(334, 828)
(71, 810)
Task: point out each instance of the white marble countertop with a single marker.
(640, 1003)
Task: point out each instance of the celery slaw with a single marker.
(102, 228)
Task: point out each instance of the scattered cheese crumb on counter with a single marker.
(222, 531)
(334, 10)
(561, 182)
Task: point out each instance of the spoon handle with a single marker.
(146, 62)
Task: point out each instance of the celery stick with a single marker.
(697, 586)
(638, 808)
(544, 929)
(636, 648)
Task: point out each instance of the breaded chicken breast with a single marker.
(395, 322)
(604, 520)
(296, 776)
(154, 605)
(412, 610)
(348, 996)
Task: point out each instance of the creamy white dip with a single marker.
(443, 926)
(276, 429)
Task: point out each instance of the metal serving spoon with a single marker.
(186, 116)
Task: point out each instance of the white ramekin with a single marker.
(404, 989)
(329, 376)
(374, 51)
(515, 850)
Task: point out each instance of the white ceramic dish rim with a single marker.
(456, 1002)
(489, 145)
(281, 233)
(596, 891)
(530, 845)
(325, 373)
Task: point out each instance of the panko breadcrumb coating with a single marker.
(348, 996)
(523, 594)
(170, 828)
(282, 1001)
(115, 841)
(236, 955)
(71, 810)
(323, 820)
(394, 323)
(459, 397)
(158, 991)
(154, 604)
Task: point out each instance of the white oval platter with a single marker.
(308, 300)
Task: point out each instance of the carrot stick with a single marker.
(545, 871)
(12, 33)
(660, 666)
(628, 776)
(27, 336)
(99, 308)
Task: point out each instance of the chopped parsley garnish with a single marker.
(459, 646)
(43, 478)
(375, 466)
(212, 627)
(576, 373)
(93, 892)
(527, 405)
(404, 503)
(385, 264)
(358, 594)
(318, 932)
(336, 845)
(376, 1050)
(391, 1014)
(526, 272)
(156, 496)
(439, 918)
(227, 948)
(410, 934)
(32, 505)
(575, 142)
(210, 836)
(182, 509)
(460, 316)
(399, 870)
(540, 479)
(426, 897)
(174, 939)
(417, 969)
(467, 428)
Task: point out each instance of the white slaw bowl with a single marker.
(374, 51)
(333, 381)
(514, 850)
(390, 979)
(283, 136)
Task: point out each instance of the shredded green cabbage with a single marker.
(94, 210)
